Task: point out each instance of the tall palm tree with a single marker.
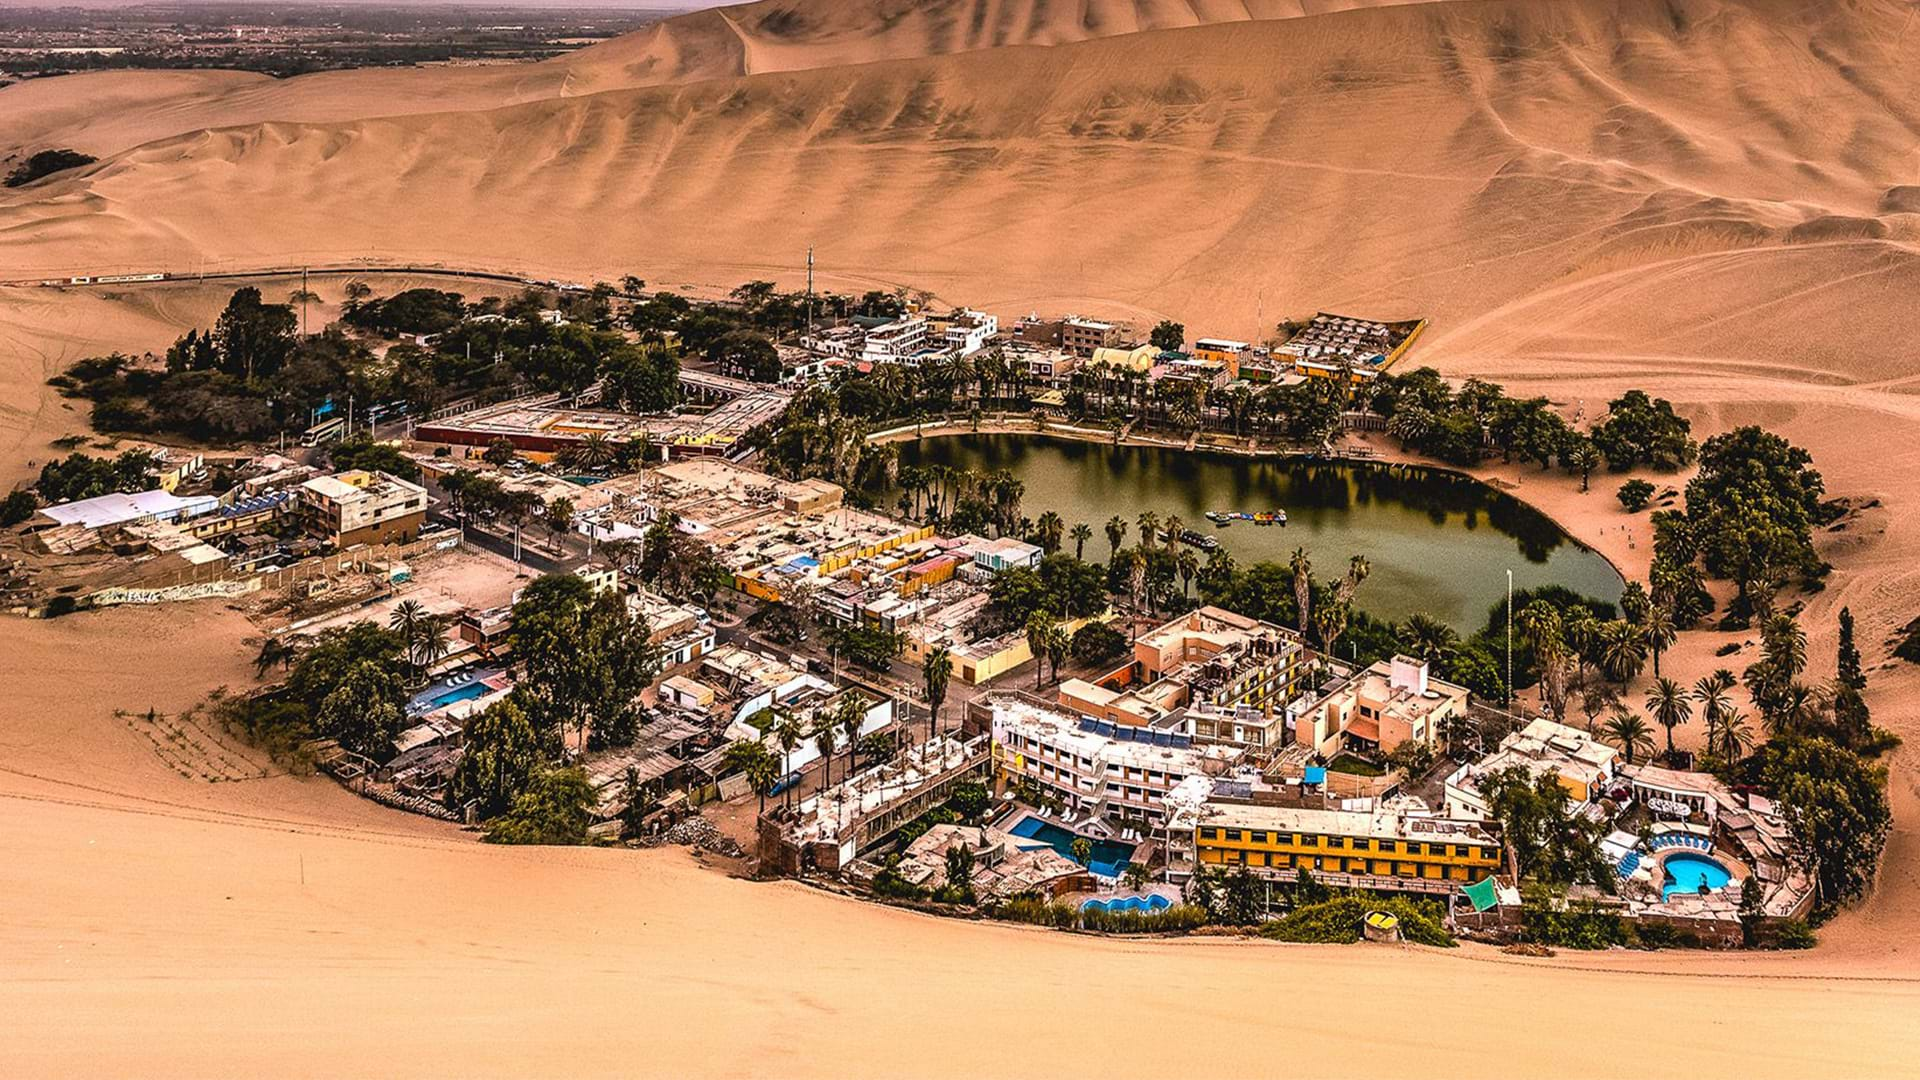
(407, 618)
(1628, 732)
(1082, 532)
(1670, 707)
(1736, 736)
(596, 452)
(936, 669)
(787, 734)
(1188, 563)
(1711, 692)
(1660, 632)
(1623, 650)
(825, 740)
(1302, 568)
(1175, 527)
(851, 713)
(1149, 523)
(1051, 527)
(1116, 532)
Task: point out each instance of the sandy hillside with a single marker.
(108, 112)
(1714, 199)
(173, 913)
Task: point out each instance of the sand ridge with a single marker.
(1706, 198)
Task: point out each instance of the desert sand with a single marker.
(1715, 200)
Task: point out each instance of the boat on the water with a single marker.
(1224, 518)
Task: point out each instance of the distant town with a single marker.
(594, 565)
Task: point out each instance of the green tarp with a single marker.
(1482, 894)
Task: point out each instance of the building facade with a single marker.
(362, 507)
(1382, 847)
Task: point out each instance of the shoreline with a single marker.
(1390, 456)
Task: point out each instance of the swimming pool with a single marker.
(1109, 859)
(1686, 872)
(1150, 902)
(427, 703)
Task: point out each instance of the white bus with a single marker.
(325, 431)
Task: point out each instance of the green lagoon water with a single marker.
(1439, 542)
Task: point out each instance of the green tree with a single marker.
(1168, 336)
(1635, 494)
(937, 671)
(1628, 732)
(1551, 842)
(503, 752)
(1081, 533)
(1116, 534)
(364, 711)
(1670, 707)
(1836, 807)
(555, 808)
(1082, 851)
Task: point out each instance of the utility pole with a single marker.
(304, 293)
(809, 290)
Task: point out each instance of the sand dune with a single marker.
(1713, 199)
(161, 925)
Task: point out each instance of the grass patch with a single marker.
(1338, 921)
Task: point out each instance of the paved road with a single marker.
(503, 546)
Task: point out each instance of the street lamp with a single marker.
(1509, 641)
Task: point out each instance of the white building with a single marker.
(970, 331)
(1118, 780)
(897, 342)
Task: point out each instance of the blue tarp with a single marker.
(1316, 775)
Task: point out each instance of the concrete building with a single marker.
(1585, 765)
(1218, 676)
(898, 342)
(362, 507)
(1082, 337)
(1118, 774)
(830, 830)
(1379, 849)
(1390, 703)
(968, 331)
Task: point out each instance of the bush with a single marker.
(46, 163)
(1339, 921)
(1793, 934)
(1636, 494)
(1096, 642)
(1548, 921)
(1035, 911)
(17, 507)
(1909, 647)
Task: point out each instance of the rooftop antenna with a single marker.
(809, 290)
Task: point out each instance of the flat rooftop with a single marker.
(1378, 825)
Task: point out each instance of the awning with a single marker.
(1315, 774)
(1482, 894)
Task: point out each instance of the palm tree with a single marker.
(1302, 567)
(762, 772)
(1174, 528)
(1136, 583)
(1188, 564)
(407, 618)
(1628, 732)
(1040, 629)
(936, 669)
(1050, 528)
(1082, 532)
(1430, 639)
(1149, 523)
(1736, 736)
(850, 714)
(1660, 632)
(595, 452)
(825, 740)
(1715, 704)
(787, 734)
(1623, 650)
(1670, 707)
(1116, 532)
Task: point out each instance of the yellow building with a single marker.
(1378, 850)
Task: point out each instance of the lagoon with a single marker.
(1439, 542)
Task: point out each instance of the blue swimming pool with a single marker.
(1109, 859)
(1151, 902)
(428, 702)
(1686, 872)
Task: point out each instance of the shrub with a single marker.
(1794, 934)
(46, 163)
(17, 507)
(1547, 920)
(1636, 494)
(1035, 911)
(1339, 921)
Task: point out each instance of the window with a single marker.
(1233, 834)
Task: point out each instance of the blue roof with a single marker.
(1315, 775)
